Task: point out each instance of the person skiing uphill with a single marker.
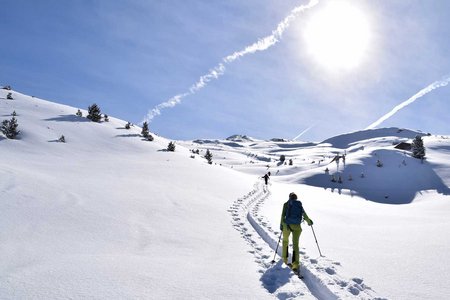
(266, 178)
(291, 217)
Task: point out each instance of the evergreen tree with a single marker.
(145, 131)
(94, 113)
(128, 125)
(62, 139)
(149, 137)
(106, 117)
(418, 148)
(79, 113)
(9, 128)
(208, 156)
(14, 114)
(171, 147)
(9, 96)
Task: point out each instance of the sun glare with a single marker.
(338, 36)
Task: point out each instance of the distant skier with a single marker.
(291, 217)
(266, 178)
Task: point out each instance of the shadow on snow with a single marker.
(276, 277)
(68, 118)
(398, 181)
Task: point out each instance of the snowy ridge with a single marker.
(321, 277)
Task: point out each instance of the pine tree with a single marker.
(418, 148)
(94, 113)
(79, 113)
(171, 147)
(9, 96)
(128, 125)
(379, 163)
(62, 139)
(9, 128)
(145, 131)
(208, 156)
(14, 114)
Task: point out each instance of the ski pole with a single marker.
(276, 250)
(316, 240)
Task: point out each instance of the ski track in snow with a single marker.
(321, 277)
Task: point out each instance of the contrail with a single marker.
(219, 70)
(421, 93)
(304, 131)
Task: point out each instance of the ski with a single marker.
(296, 272)
(300, 276)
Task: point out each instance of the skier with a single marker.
(266, 178)
(291, 217)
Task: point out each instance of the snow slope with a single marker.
(388, 228)
(108, 215)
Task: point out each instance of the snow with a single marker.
(109, 215)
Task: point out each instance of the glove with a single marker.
(281, 226)
(310, 222)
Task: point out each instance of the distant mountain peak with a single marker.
(239, 138)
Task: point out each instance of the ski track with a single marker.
(321, 275)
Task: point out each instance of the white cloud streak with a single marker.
(304, 131)
(421, 93)
(261, 45)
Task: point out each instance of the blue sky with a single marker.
(129, 56)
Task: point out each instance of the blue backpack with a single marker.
(294, 212)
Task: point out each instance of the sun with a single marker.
(338, 36)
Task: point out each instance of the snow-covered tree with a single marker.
(149, 137)
(62, 139)
(9, 96)
(14, 114)
(79, 113)
(208, 156)
(128, 125)
(9, 128)
(171, 147)
(145, 131)
(106, 118)
(94, 113)
(418, 149)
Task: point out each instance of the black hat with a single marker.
(293, 196)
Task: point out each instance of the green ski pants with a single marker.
(296, 230)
